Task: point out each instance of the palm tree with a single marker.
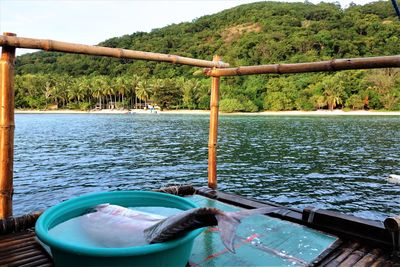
(60, 89)
(96, 90)
(103, 83)
(189, 89)
(333, 91)
(143, 91)
(47, 91)
(121, 87)
(132, 85)
(84, 86)
(99, 88)
(318, 101)
(202, 95)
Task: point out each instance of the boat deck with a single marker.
(22, 249)
(277, 240)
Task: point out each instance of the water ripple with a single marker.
(338, 163)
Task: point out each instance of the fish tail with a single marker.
(229, 221)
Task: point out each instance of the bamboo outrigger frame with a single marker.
(215, 69)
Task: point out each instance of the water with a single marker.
(332, 162)
(102, 230)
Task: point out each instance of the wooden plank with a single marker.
(21, 248)
(15, 243)
(37, 262)
(28, 260)
(329, 258)
(346, 251)
(32, 244)
(382, 262)
(369, 258)
(21, 256)
(326, 254)
(354, 257)
(16, 236)
(20, 223)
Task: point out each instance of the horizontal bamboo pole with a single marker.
(331, 65)
(57, 46)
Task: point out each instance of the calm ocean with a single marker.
(333, 162)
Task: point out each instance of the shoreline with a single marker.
(205, 112)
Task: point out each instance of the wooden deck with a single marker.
(352, 253)
(21, 248)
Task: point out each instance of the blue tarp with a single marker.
(260, 241)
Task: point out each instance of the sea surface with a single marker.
(334, 162)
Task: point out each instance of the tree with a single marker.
(333, 91)
(166, 93)
(121, 84)
(386, 84)
(143, 91)
(257, 33)
(101, 85)
(355, 102)
(189, 90)
(132, 82)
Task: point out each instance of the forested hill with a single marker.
(257, 33)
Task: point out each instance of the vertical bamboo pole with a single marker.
(6, 128)
(213, 135)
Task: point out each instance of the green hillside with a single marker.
(257, 33)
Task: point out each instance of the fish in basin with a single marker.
(116, 226)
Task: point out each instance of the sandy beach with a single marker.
(202, 112)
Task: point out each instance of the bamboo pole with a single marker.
(51, 45)
(331, 65)
(213, 135)
(7, 126)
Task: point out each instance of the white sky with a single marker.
(92, 21)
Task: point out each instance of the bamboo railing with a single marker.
(57, 46)
(331, 65)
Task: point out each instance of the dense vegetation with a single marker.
(258, 33)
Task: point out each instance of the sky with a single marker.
(91, 21)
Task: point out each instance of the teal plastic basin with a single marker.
(171, 253)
